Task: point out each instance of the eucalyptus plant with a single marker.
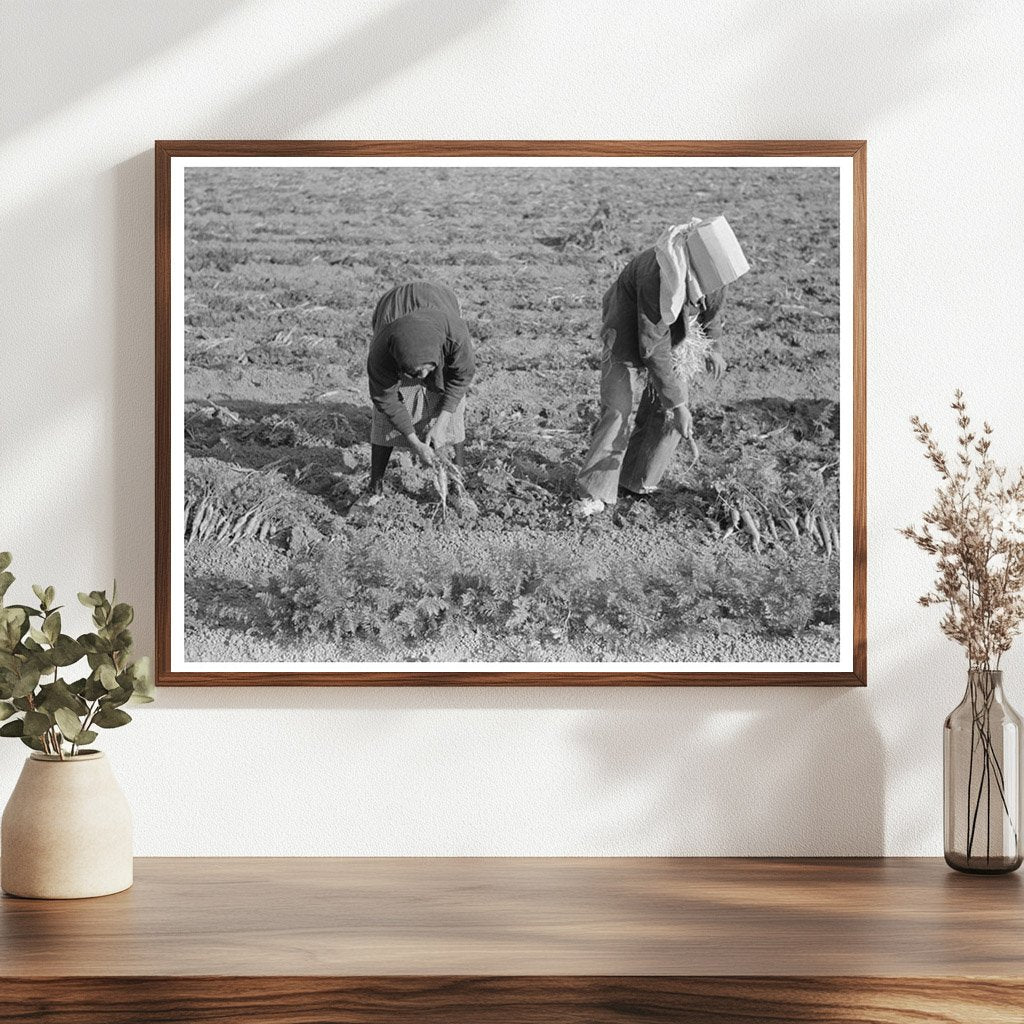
(37, 704)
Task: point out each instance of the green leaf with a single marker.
(69, 724)
(95, 660)
(38, 635)
(142, 679)
(86, 736)
(30, 612)
(67, 651)
(31, 741)
(115, 698)
(6, 710)
(50, 595)
(94, 644)
(122, 615)
(40, 592)
(107, 676)
(89, 600)
(51, 626)
(6, 579)
(27, 681)
(108, 718)
(94, 689)
(36, 723)
(13, 728)
(12, 627)
(5, 560)
(59, 695)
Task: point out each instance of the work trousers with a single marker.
(634, 456)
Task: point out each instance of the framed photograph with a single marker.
(527, 413)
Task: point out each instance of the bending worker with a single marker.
(419, 366)
(647, 315)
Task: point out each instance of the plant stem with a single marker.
(970, 767)
(58, 739)
(982, 698)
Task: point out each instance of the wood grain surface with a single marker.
(166, 150)
(530, 916)
(518, 1000)
(503, 940)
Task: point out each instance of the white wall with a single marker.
(937, 89)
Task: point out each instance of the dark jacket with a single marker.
(415, 324)
(632, 308)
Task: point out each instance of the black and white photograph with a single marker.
(511, 414)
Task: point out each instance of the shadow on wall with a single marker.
(754, 773)
(395, 39)
(53, 38)
(833, 60)
(684, 772)
(673, 768)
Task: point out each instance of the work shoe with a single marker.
(587, 507)
(647, 492)
(372, 496)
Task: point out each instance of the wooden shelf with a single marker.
(573, 941)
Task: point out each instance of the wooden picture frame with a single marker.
(171, 159)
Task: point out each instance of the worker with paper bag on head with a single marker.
(661, 321)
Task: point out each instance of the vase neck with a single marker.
(986, 682)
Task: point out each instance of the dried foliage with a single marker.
(975, 530)
(689, 354)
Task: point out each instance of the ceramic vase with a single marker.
(66, 831)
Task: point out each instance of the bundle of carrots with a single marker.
(689, 356)
(446, 474)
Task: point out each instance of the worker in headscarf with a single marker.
(419, 366)
(653, 307)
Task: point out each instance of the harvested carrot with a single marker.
(695, 451)
(750, 527)
(794, 527)
(826, 536)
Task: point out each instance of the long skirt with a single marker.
(423, 406)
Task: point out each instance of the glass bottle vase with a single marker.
(981, 770)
